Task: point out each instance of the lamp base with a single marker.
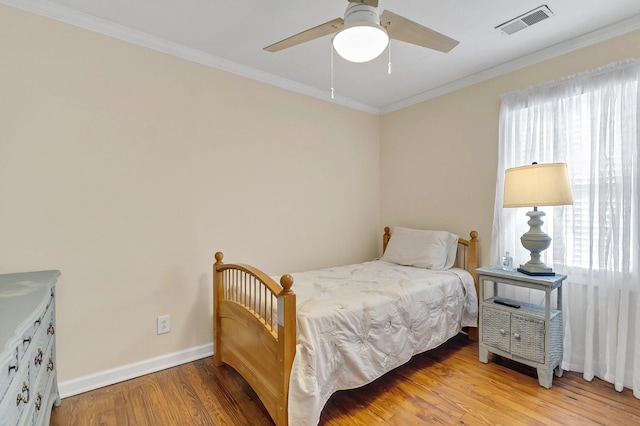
(536, 241)
(536, 273)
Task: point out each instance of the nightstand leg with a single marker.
(484, 355)
(545, 377)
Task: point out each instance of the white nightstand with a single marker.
(529, 334)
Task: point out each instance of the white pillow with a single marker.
(452, 250)
(421, 248)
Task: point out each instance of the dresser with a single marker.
(527, 333)
(28, 382)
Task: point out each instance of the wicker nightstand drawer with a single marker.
(496, 325)
(527, 338)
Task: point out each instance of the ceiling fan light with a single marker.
(361, 42)
(362, 38)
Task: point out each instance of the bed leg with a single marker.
(472, 332)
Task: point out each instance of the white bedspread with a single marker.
(357, 322)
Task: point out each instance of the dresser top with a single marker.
(20, 295)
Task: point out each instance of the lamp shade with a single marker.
(362, 38)
(537, 185)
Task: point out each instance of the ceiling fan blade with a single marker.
(373, 3)
(308, 35)
(403, 29)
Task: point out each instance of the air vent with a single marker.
(523, 21)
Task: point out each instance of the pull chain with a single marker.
(332, 94)
(389, 65)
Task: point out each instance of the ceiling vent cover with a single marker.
(523, 21)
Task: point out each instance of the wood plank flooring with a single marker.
(445, 386)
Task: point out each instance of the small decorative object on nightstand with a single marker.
(529, 334)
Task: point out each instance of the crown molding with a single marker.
(603, 34)
(92, 23)
(111, 29)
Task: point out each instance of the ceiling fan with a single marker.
(363, 34)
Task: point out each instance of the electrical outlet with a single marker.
(164, 324)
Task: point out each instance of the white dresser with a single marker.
(28, 382)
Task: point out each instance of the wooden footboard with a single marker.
(255, 324)
(255, 331)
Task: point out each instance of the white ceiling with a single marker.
(230, 35)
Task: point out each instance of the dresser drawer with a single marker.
(17, 398)
(34, 330)
(42, 388)
(9, 367)
(45, 330)
(25, 342)
(496, 328)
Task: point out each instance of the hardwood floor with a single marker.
(447, 385)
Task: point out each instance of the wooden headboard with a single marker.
(467, 257)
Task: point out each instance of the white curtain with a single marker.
(591, 122)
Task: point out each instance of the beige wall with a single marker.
(439, 158)
(127, 169)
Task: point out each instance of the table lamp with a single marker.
(533, 186)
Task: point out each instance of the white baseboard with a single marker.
(119, 374)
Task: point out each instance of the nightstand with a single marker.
(523, 332)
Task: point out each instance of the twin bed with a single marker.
(343, 327)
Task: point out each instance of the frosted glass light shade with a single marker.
(362, 38)
(537, 185)
(361, 43)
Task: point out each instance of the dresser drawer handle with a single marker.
(38, 359)
(20, 398)
(38, 401)
(50, 364)
(516, 336)
(50, 330)
(502, 331)
(37, 322)
(27, 340)
(14, 367)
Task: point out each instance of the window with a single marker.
(590, 121)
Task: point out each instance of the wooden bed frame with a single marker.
(254, 324)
